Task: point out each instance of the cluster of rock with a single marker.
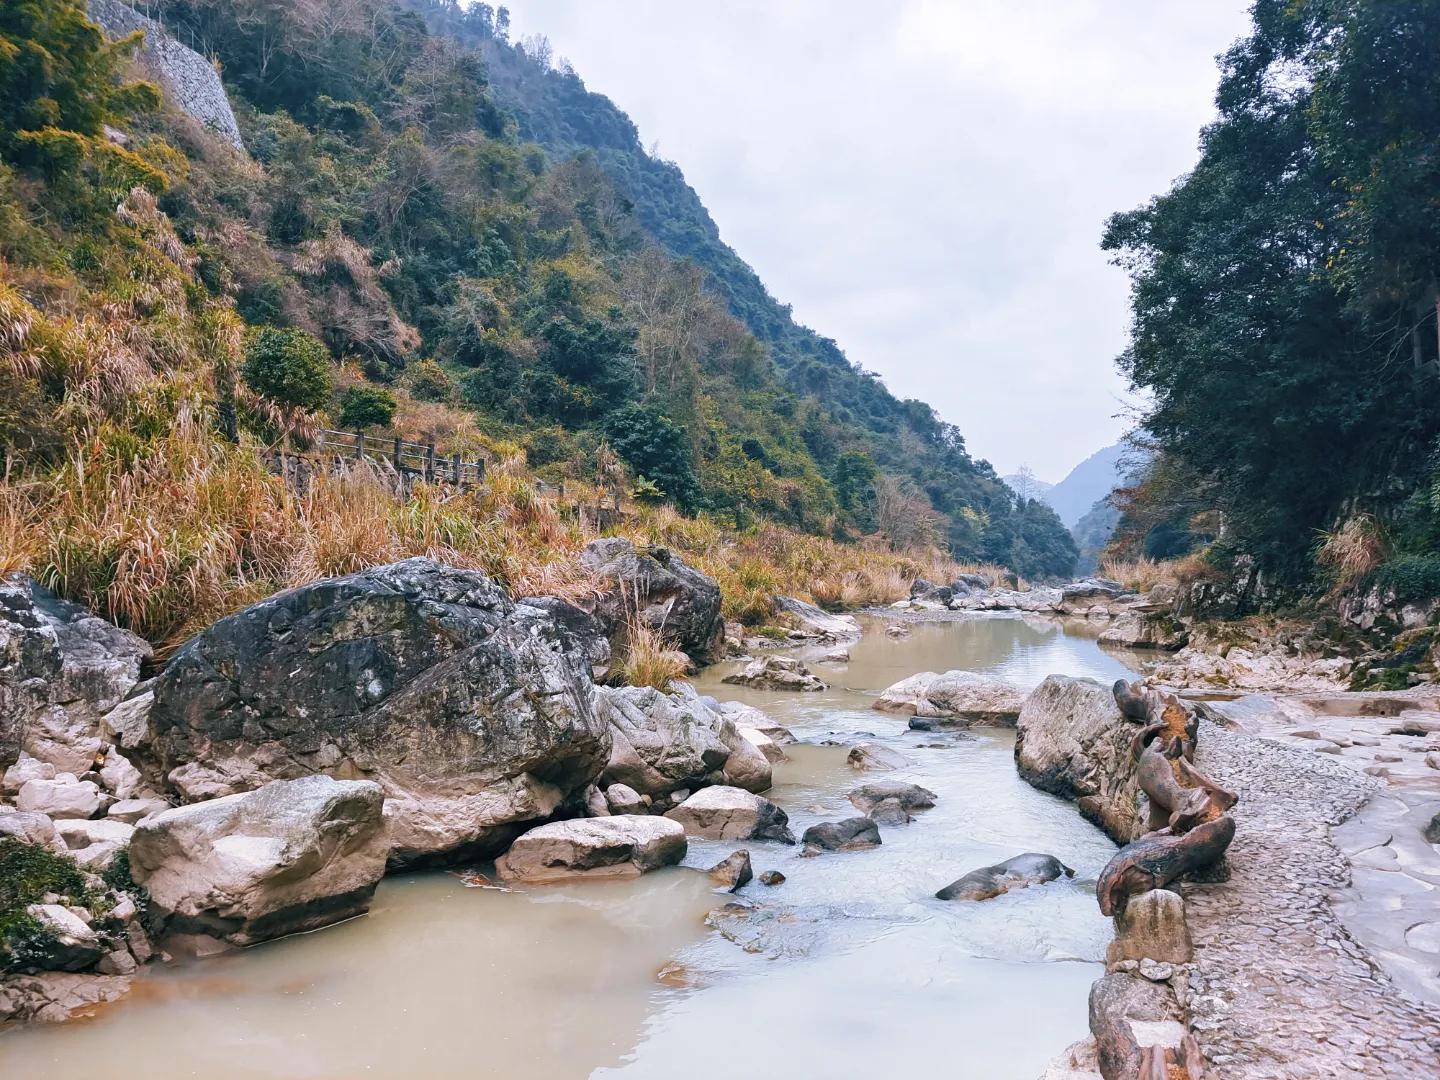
(287, 756)
(1135, 620)
(1255, 656)
(1129, 763)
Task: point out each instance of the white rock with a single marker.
(79, 834)
(730, 813)
(132, 810)
(962, 695)
(623, 845)
(73, 946)
(119, 776)
(128, 723)
(62, 797)
(26, 768)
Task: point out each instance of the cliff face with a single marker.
(187, 78)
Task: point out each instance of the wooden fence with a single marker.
(409, 459)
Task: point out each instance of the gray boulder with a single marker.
(473, 716)
(815, 623)
(662, 742)
(1017, 873)
(30, 827)
(954, 695)
(622, 799)
(622, 845)
(586, 630)
(667, 594)
(872, 757)
(851, 834)
(911, 797)
(731, 813)
(61, 670)
(776, 673)
(1072, 741)
(293, 855)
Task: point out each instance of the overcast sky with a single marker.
(925, 181)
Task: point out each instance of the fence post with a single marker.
(430, 461)
(455, 469)
(397, 453)
(359, 446)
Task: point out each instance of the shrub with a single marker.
(367, 406)
(1410, 577)
(27, 873)
(288, 366)
(655, 447)
(431, 382)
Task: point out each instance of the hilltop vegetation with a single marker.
(1285, 303)
(390, 254)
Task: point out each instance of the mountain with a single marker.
(1087, 483)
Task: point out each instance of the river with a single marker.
(850, 968)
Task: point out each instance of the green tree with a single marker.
(366, 406)
(288, 366)
(656, 448)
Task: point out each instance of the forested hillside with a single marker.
(1285, 302)
(389, 254)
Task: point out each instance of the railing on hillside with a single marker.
(409, 459)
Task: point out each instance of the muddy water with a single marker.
(849, 968)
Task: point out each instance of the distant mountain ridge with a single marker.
(1087, 483)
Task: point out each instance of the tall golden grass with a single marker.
(1143, 574)
(1353, 551)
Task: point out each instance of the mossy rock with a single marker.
(27, 873)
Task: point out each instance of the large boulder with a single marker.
(61, 670)
(910, 797)
(851, 834)
(776, 673)
(1158, 630)
(816, 623)
(661, 590)
(588, 632)
(662, 742)
(473, 715)
(731, 813)
(622, 845)
(1093, 596)
(1072, 741)
(1152, 926)
(63, 797)
(954, 695)
(293, 855)
(1019, 872)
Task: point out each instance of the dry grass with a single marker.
(649, 660)
(1143, 574)
(1353, 551)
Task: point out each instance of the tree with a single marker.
(288, 366)
(657, 449)
(366, 406)
(430, 382)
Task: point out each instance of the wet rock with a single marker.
(911, 797)
(733, 871)
(867, 757)
(748, 717)
(889, 812)
(815, 623)
(772, 878)
(767, 746)
(662, 742)
(661, 589)
(776, 673)
(897, 630)
(1019, 872)
(293, 855)
(473, 716)
(959, 695)
(1432, 830)
(622, 799)
(623, 845)
(53, 997)
(62, 797)
(730, 813)
(1072, 741)
(1152, 925)
(66, 941)
(851, 834)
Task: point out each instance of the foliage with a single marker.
(429, 381)
(289, 367)
(656, 449)
(1285, 291)
(27, 873)
(1410, 577)
(366, 406)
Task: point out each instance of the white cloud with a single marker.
(926, 180)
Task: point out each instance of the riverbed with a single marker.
(849, 968)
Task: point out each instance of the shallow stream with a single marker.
(850, 968)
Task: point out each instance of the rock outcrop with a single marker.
(663, 742)
(187, 77)
(776, 673)
(474, 715)
(622, 845)
(290, 856)
(730, 813)
(61, 670)
(954, 695)
(1071, 740)
(660, 589)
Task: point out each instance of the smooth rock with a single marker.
(120, 777)
(624, 800)
(816, 623)
(777, 673)
(1019, 872)
(733, 871)
(128, 724)
(30, 826)
(731, 813)
(622, 845)
(81, 834)
(889, 812)
(292, 855)
(69, 944)
(131, 811)
(872, 757)
(958, 695)
(25, 769)
(851, 834)
(911, 797)
(62, 797)
(772, 878)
